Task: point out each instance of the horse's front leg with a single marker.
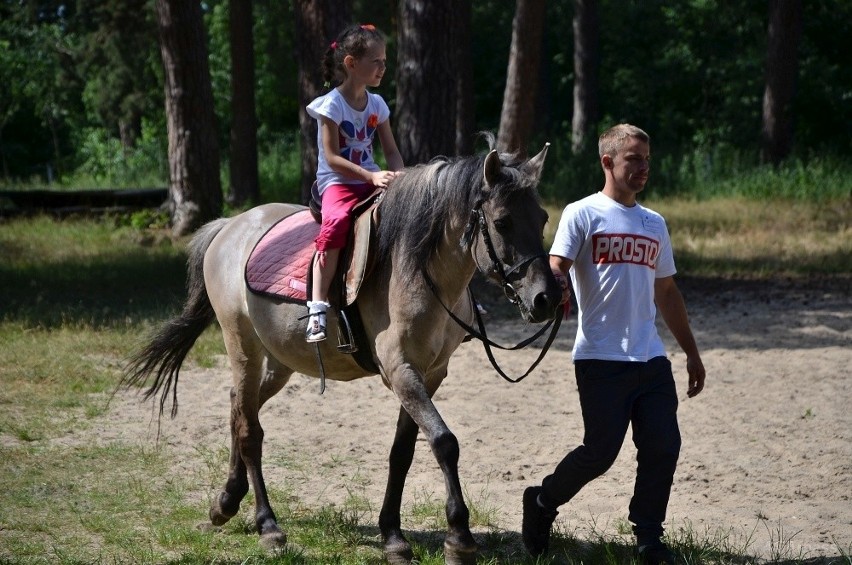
(459, 545)
(397, 548)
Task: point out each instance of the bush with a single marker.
(104, 163)
(280, 169)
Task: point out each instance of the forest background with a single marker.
(82, 100)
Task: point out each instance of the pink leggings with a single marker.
(337, 203)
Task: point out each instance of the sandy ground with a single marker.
(767, 446)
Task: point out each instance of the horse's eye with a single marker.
(503, 224)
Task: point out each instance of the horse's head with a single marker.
(505, 234)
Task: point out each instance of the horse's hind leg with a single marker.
(250, 390)
(227, 504)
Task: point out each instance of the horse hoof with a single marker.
(458, 554)
(273, 542)
(219, 517)
(398, 551)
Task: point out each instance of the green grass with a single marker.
(726, 173)
(740, 237)
(80, 295)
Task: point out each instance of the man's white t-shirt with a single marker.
(356, 130)
(617, 253)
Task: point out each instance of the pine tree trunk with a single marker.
(785, 29)
(244, 175)
(586, 64)
(195, 191)
(426, 64)
(519, 97)
(465, 107)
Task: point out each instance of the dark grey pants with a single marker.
(614, 394)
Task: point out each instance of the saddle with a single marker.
(279, 266)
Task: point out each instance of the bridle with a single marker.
(477, 220)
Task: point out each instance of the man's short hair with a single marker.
(612, 139)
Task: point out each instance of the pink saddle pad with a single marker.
(278, 264)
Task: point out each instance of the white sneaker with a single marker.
(316, 328)
(316, 322)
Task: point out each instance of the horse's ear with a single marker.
(492, 168)
(534, 166)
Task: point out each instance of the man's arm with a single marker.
(673, 309)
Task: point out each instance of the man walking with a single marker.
(619, 257)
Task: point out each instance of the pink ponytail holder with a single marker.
(333, 46)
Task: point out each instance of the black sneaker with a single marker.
(535, 527)
(656, 553)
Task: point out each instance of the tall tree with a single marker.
(244, 175)
(195, 191)
(519, 97)
(785, 29)
(586, 64)
(317, 24)
(426, 109)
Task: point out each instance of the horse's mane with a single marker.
(419, 204)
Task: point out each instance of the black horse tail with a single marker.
(163, 356)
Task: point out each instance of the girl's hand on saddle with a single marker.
(382, 178)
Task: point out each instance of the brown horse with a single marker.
(439, 223)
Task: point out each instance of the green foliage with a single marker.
(119, 62)
(86, 104)
(280, 170)
(105, 163)
(706, 172)
(149, 219)
(568, 177)
(33, 101)
(723, 171)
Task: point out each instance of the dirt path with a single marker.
(767, 446)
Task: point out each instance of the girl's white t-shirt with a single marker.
(356, 130)
(617, 253)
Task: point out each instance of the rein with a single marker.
(488, 344)
(477, 219)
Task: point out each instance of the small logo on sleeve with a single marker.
(625, 248)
